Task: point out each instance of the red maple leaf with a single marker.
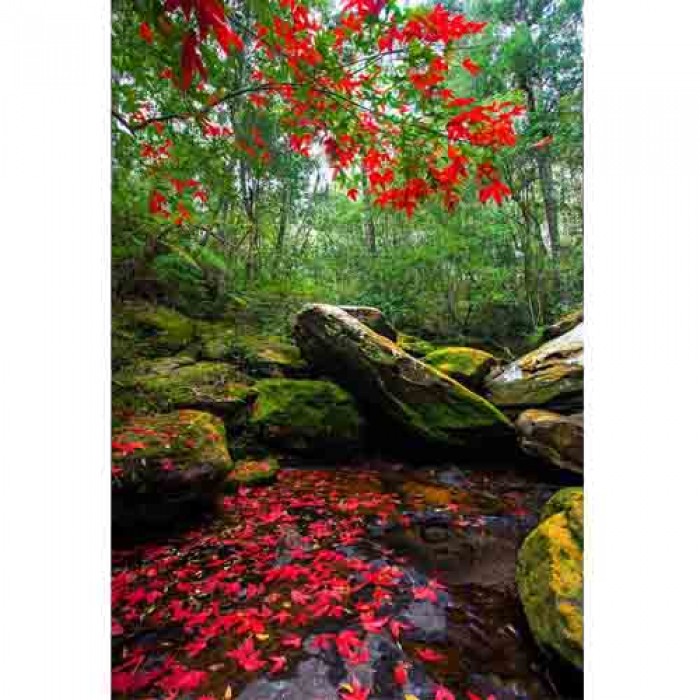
(395, 626)
(180, 678)
(292, 640)
(430, 655)
(247, 656)
(472, 67)
(354, 691)
(277, 663)
(425, 593)
(145, 32)
(401, 673)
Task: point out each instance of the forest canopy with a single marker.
(422, 158)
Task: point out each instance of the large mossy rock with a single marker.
(556, 438)
(416, 399)
(166, 468)
(373, 318)
(550, 576)
(178, 382)
(551, 375)
(261, 355)
(415, 346)
(468, 366)
(303, 415)
(140, 329)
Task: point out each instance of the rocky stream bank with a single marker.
(342, 516)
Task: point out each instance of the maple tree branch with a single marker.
(204, 110)
(122, 121)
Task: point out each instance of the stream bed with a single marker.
(349, 582)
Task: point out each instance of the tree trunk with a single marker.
(544, 171)
(369, 227)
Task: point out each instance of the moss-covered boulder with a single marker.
(373, 318)
(178, 382)
(468, 366)
(252, 472)
(550, 576)
(420, 402)
(556, 438)
(166, 468)
(415, 346)
(551, 375)
(303, 415)
(140, 329)
(261, 355)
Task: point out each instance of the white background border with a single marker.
(642, 311)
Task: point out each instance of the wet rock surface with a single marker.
(332, 572)
(555, 438)
(551, 375)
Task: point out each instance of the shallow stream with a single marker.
(361, 582)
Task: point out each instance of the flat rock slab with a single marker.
(373, 318)
(548, 376)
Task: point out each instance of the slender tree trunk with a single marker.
(369, 226)
(544, 169)
(546, 179)
(282, 228)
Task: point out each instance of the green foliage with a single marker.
(273, 239)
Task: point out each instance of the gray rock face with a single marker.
(557, 439)
(428, 620)
(373, 318)
(310, 681)
(550, 375)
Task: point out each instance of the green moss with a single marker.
(253, 472)
(466, 365)
(570, 502)
(260, 354)
(459, 411)
(140, 329)
(305, 415)
(414, 396)
(180, 439)
(550, 576)
(415, 346)
(164, 384)
(541, 388)
(217, 340)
